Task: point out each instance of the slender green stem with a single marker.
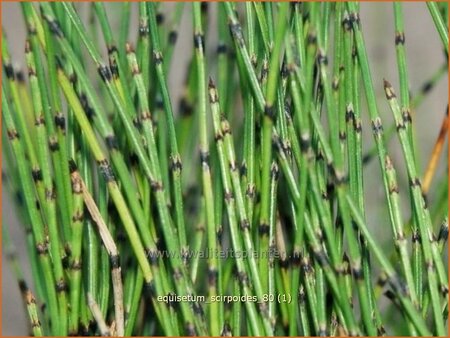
(34, 214)
(439, 23)
(432, 260)
(46, 135)
(232, 218)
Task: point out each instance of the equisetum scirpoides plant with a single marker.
(272, 191)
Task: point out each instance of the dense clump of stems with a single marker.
(244, 209)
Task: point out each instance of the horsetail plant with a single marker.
(240, 206)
